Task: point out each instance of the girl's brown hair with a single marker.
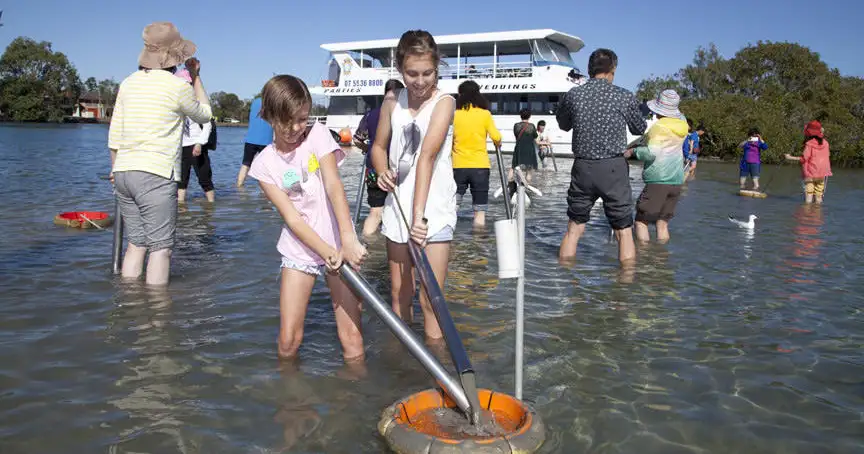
(417, 43)
(282, 98)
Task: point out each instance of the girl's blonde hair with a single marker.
(282, 99)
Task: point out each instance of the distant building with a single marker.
(90, 106)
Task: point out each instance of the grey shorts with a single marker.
(148, 204)
(608, 179)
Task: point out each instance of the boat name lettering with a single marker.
(341, 90)
(492, 87)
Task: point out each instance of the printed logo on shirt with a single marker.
(291, 181)
(313, 165)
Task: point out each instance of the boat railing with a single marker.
(498, 70)
(501, 70)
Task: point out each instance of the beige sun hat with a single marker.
(164, 47)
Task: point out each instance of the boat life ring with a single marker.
(345, 135)
(407, 432)
(83, 219)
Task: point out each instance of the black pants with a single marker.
(202, 169)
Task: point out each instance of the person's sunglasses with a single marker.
(411, 138)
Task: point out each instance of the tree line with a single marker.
(775, 86)
(39, 84)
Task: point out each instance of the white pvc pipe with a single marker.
(520, 282)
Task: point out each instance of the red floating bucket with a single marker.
(83, 219)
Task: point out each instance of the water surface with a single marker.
(721, 341)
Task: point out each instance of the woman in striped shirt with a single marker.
(144, 139)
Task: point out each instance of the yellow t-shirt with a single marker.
(470, 128)
(148, 122)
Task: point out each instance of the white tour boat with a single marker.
(515, 70)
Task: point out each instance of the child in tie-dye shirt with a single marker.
(663, 171)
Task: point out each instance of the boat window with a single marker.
(334, 72)
(512, 103)
(546, 52)
(352, 105)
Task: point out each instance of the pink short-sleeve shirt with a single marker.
(298, 174)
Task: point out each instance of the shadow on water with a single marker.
(720, 341)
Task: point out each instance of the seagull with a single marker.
(745, 225)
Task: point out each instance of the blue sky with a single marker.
(242, 43)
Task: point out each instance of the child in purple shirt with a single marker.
(751, 159)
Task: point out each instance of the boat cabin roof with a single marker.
(508, 43)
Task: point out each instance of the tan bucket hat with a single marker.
(164, 47)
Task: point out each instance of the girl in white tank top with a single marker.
(440, 211)
(418, 169)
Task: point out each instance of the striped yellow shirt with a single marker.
(147, 124)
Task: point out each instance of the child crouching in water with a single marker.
(815, 163)
(298, 173)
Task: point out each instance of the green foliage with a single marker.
(36, 83)
(107, 89)
(776, 87)
(229, 105)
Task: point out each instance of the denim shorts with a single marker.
(314, 270)
(750, 169)
(443, 235)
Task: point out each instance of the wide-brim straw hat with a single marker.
(164, 47)
(666, 104)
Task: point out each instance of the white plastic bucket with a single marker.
(507, 241)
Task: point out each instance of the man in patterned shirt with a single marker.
(598, 113)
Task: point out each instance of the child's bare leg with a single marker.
(402, 280)
(133, 261)
(439, 257)
(742, 182)
(642, 233)
(211, 195)
(347, 308)
(662, 231)
(370, 225)
(295, 290)
(755, 183)
(181, 196)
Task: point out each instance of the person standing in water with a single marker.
(194, 154)
(692, 146)
(544, 147)
(144, 139)
(751, 159)
(299, 174)
(472, 122)
(417, 171)
(258, 136)
(599, 113)
(815, 162)
(364, 137)
(525, 152)
(663, 172)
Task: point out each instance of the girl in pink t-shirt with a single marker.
(299, 174)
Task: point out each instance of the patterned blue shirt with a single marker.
(599, 113)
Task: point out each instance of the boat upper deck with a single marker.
(510, 54)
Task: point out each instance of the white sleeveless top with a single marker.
(441, 203)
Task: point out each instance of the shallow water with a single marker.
(720, 341)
